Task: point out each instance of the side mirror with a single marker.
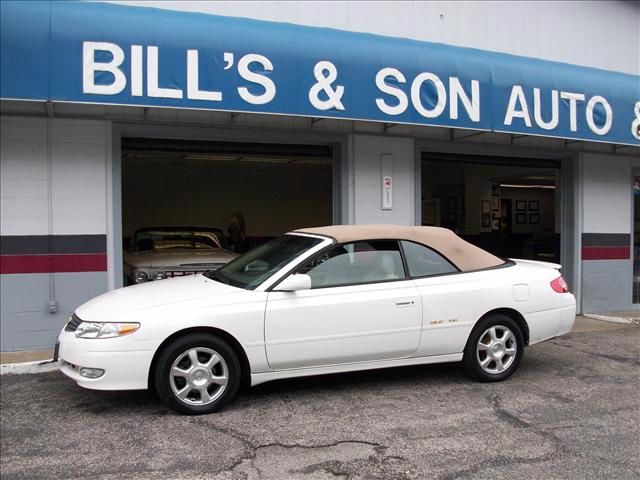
(297, 281)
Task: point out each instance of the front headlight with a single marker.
(140, 277)
(159, 276)
(105, 330)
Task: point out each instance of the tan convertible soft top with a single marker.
(463, 254)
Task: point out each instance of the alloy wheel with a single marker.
(496, 349)
(199, 376)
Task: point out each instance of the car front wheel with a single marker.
(495, 349)
(197, 374)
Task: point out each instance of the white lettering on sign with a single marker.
(517, 99)
(608, 115)
(472, 106)
(441, 95)
(384, 87)
(537, 110)
(518, 108)
(193, 80)
(113, 66)
(458, 96)
(324, 84)
(136, 70)
(106, 70)
(153, 68)
(635, 124)
(573, 109)
(263, 80)
(90, 66)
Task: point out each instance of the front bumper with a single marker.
(125, 362)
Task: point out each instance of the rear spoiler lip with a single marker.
(521, 261)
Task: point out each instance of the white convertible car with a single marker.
(317, 301)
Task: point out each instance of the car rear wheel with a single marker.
(494, 349)
(197, 374)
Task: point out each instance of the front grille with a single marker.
(182, 273)
(178, 273)
(73, 324)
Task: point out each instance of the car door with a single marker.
(361, 307)
(450, 299)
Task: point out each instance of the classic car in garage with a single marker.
(165, 252)
(318, 301)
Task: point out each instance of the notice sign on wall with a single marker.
(387, 193)
(387, 181)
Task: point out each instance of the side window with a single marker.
(424, 262)
(358, 262)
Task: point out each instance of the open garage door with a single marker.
(508, 206)
(181, 200)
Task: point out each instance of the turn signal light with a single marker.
(559, 285)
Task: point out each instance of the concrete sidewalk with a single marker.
(617, 317)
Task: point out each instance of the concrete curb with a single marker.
(29, 367)
(613, 319)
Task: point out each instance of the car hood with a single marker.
(122, 302)
(183, 257)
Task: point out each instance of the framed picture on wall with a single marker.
(534, 206)
(534, 218)
(495, 202)
(486, 219)
(521, 205)
(521, 218)
(486, 207)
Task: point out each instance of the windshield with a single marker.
(147, 240)
(254, 267)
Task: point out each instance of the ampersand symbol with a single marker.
(324, 84)
(635, 125)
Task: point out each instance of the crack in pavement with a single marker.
(337, 459)
(502, 414)
(249, 456)
(561, 450)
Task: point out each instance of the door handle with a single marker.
(405, 303)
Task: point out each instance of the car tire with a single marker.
(197, 374)
(494, 349)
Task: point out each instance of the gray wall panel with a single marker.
(606, 285)
(25, 322)
(570, 32)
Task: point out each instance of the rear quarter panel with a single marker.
(453, 304)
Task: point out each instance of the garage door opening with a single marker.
(215, 189)
(508, 206)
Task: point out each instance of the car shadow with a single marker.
(146, 402)
(398, 378)
(413, 375)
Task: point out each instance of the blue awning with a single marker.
(113, 54)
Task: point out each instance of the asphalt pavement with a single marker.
(571, 411)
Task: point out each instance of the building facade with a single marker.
(513, 123)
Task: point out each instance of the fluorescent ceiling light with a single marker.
(544, 187)
(265, 159)
(212, 156)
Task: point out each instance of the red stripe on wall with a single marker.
(83, 262)
(606, 253)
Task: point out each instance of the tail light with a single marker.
(559, 285)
